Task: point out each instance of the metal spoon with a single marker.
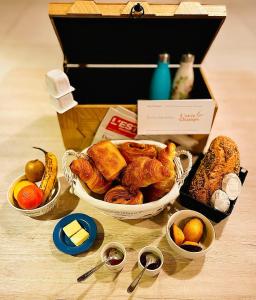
(150, 259)
(114, 254)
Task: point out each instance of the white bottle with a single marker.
(184, 78)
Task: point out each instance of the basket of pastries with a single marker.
(127, 179)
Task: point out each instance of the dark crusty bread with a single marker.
(221, 158)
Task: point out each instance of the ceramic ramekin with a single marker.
(182, 217)
(155, 251)
(120, 247)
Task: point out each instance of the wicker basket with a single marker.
(123, 211)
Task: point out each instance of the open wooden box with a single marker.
(109, 55)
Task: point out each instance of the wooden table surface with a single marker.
(31, 266)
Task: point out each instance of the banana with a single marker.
(50, 173)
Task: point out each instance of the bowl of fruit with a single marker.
(190, 234)
(35, 193)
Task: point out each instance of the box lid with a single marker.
(99, 33)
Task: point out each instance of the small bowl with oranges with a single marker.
(190, 234)
(35, 193)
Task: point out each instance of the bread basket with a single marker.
(123, 211)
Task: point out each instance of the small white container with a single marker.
(58, 83)
(41, 210)
(180, 218)
(155, 251)
(120, 247)
(63, 103)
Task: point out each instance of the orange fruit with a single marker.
(19, 186)
(193, 230)
(30, 197)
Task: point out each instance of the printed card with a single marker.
(175, 117)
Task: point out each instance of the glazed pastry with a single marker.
(161, 188)
(221, 158)
(131, 150)
(143, 171)
(107, 159)
(121, 195)
(90, 175)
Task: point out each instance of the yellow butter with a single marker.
(72, 228)
(80, 237)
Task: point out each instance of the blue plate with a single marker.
(64, 244)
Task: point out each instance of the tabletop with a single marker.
(32, 267)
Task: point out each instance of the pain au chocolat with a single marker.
(107, 158)
(122, 195)
(221, 158)
(132, 150)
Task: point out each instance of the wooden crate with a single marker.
(96, 38)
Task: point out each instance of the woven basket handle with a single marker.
(181, 173)
(67, 158)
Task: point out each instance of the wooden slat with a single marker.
(111, 10)
(122, 9)
(215, 10)
(190, 8)
(58, 9)
(84, 8)
(79, 124)
(163, 9)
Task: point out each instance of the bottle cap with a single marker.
(164, 57)
(188, 58)
(231, 184)
(220, 201)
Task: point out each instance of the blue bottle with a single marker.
(161, 82)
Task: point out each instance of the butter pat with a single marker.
(80, 237)
(72, 228)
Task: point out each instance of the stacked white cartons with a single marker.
(60, 90)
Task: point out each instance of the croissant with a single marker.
(161, 188)
(131, 150)
(121, 195)
(90, 175)
(107, 158)
(143, 171)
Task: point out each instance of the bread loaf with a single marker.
(222, 158)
